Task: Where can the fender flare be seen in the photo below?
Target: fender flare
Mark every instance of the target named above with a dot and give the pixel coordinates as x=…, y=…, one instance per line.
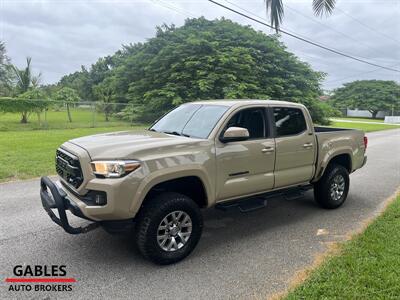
x=169, y=174
x=332, y=156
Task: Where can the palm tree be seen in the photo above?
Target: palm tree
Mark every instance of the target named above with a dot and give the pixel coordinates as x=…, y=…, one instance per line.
x=24, y=77
x=276, y=11
x=24, y=81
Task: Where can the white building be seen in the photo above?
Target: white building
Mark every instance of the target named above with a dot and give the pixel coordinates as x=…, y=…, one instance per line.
x=366, y=113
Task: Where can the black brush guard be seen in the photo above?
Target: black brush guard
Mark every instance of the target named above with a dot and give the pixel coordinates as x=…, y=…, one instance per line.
x=58, y=200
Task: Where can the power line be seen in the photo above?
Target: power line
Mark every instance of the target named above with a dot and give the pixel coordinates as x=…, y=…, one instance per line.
x=173, y=8
x=300, y=54
x=303, y=39
x=329, y=27
x=314, y=57
x=251, y=13
x=185, y=12
x=356, y=75
x=367, y=26
x=257, y=16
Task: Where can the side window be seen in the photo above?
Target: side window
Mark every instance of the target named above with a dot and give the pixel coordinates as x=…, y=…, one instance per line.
x=253, y=119
x=289, y=121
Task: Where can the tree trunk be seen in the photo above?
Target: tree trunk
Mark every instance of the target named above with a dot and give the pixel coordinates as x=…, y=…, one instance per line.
x=39, y=118
x=69, y=114
x=374, y=113
x=24, y=117
x=106, y=114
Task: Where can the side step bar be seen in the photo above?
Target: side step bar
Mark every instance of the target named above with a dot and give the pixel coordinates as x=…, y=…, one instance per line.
x=253, y=203
x=245, y=205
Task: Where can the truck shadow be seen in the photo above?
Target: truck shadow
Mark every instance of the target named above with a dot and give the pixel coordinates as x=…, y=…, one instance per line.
x=222, y=230
x=222, y=227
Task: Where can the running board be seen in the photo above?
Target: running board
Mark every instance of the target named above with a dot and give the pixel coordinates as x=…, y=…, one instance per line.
x=252, y=205
x=256, y=202
x=293, y=195
x=244, y=205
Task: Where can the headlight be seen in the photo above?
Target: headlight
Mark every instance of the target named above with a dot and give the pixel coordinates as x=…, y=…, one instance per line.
x=114, y=169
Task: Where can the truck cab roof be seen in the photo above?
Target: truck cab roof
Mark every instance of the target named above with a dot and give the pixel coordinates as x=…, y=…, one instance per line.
x=242, y=102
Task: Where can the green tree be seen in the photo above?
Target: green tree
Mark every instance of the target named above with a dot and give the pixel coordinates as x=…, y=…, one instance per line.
x=200, y=60
x=276, y=10
x=24, y=81
x=33, y=100
x=67, y=96
x=80, y=82
x=5, y=74
x=213, y=60
x=371, y=95
x=24, y=77
x=105, y=92
x=84, y=80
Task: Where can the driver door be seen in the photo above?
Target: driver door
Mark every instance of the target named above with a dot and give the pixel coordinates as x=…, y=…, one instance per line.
x=246, y=167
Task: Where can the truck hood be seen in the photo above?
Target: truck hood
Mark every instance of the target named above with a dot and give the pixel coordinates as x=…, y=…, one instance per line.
x=127, y=144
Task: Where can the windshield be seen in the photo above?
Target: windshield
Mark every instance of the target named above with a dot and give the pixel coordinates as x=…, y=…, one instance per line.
x=192, y=120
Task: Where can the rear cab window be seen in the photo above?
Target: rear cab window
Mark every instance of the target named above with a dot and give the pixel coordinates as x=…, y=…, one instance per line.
x=289, y=121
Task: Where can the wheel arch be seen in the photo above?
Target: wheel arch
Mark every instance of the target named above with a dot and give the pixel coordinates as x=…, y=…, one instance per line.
x=192, y=183
x=341, y=158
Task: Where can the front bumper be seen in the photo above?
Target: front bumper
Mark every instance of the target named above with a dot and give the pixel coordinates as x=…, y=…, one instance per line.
x=54, y=198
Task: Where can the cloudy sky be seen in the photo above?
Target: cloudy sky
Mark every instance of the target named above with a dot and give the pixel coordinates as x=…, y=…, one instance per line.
x=62, y=35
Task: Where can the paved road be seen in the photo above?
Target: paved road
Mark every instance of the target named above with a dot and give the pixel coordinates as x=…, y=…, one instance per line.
x=239, y=255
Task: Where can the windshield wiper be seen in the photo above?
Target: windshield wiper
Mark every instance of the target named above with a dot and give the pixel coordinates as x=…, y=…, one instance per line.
x=172, y=132
x=176, y=133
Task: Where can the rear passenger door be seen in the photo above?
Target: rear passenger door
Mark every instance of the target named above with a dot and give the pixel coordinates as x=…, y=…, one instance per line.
x=295, y=147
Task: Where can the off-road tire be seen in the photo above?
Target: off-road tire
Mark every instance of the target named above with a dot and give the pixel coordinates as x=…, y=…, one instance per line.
x=151, y=215
x=323, y=188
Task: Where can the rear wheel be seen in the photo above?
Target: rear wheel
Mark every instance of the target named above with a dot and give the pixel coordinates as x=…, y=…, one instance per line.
x=331, y=190
x=168, y=228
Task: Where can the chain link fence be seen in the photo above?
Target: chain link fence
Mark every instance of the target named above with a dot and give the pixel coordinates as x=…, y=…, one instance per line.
x=25, y=114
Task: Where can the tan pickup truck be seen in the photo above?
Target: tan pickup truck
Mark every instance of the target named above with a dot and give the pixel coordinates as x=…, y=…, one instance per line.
x=221, y=154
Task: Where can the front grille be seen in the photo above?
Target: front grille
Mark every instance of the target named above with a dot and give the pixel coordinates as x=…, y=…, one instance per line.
x=69, y=168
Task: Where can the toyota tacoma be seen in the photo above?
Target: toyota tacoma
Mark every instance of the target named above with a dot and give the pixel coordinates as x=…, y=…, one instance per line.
x=222, y=153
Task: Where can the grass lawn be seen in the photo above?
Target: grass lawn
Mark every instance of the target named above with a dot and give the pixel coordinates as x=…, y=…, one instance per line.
x=81, y=118
x=363, y=126
x=27, y=151
x=368, y=266
x=26, y=154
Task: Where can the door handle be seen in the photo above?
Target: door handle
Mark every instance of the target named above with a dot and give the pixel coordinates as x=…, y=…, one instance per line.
x=307, y=145
x=267, y=150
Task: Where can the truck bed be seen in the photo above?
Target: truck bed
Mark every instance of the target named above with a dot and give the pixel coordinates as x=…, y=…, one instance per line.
x=328, y=129
x=332, y=141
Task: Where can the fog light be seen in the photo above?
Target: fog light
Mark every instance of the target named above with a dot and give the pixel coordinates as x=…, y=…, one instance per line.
x=100, y=199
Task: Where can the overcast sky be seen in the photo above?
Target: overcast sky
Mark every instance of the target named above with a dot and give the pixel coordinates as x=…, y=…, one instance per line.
x=60, y=36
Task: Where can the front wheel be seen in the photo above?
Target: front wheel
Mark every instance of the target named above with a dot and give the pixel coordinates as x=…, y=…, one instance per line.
x=168, y=228
x=331, y=190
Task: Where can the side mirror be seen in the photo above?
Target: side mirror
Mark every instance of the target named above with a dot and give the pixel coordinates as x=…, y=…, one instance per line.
x=235, y=134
